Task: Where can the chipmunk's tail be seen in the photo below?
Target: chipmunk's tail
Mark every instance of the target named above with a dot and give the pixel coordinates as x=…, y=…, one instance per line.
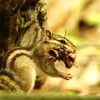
x=9, y=81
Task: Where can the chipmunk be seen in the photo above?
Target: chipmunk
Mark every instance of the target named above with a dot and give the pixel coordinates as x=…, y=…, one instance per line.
x=21, y=65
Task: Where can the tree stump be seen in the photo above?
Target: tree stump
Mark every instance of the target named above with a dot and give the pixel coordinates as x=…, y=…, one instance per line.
x=22, y=22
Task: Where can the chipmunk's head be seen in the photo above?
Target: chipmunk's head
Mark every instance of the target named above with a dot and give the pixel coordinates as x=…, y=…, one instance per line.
x=60, y=48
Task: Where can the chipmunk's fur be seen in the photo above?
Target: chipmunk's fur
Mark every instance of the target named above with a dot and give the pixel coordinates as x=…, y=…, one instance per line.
x=9, y=81
x=27, y=63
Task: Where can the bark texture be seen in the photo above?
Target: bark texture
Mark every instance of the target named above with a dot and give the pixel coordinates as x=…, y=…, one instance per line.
x=22, y=22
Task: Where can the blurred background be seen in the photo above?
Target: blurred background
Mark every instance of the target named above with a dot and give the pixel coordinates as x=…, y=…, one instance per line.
x=81, y=20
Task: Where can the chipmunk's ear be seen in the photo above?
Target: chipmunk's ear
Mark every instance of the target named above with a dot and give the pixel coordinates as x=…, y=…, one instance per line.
x=49, y=34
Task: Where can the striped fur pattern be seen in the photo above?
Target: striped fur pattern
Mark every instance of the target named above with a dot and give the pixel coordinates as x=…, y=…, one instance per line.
x=9, y=81
x=20, y=62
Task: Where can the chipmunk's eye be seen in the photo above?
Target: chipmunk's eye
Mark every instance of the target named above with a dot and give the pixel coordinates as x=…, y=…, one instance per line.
x=62, y=41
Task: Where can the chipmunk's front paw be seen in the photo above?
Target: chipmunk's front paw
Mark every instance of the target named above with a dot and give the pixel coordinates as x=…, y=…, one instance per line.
x=66, y=76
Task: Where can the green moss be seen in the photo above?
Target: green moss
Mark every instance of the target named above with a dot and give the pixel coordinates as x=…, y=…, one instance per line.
x=47, y=96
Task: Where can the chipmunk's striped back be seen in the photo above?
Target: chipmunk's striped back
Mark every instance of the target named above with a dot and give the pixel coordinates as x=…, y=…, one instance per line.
x=13, y=54
x=20, y=64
